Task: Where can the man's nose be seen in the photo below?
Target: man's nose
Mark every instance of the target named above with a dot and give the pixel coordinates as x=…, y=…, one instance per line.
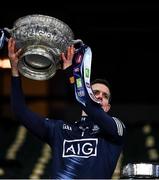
x=100, y=96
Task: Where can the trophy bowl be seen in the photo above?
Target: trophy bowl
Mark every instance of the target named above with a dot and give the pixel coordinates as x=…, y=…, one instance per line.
x=42, y=39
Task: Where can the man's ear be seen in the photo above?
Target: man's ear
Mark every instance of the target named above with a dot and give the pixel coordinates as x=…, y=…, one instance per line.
x=108, y=107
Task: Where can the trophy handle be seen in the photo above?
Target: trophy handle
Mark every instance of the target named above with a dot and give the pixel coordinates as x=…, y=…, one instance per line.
x=8, y=30
x=4, y=36
x=76, y=41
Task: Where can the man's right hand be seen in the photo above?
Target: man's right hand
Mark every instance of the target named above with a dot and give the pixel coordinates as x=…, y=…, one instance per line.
x=13, y=55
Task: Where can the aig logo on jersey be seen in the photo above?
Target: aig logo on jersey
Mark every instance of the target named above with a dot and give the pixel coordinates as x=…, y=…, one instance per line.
x=80, y=148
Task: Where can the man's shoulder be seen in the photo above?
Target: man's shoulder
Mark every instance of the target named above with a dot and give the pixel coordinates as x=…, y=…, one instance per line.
x=54, y=121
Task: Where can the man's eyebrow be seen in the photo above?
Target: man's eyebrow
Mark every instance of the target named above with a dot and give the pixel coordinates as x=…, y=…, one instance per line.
x=105, y=93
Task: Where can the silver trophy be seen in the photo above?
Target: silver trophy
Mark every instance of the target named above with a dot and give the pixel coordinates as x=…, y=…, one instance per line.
x=140, y=171
x=42, y=39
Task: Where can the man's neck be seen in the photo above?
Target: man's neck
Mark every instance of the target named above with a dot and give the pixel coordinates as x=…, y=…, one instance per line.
x=84, y=114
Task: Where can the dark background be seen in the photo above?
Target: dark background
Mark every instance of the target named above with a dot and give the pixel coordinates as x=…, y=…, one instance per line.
x=125, y=45
x=123, y=37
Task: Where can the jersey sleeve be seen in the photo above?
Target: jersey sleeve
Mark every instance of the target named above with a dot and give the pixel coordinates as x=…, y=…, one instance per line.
x=109, y=125
x=35, y=123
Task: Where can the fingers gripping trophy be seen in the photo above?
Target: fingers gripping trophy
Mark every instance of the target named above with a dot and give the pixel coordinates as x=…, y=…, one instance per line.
x=41, y=39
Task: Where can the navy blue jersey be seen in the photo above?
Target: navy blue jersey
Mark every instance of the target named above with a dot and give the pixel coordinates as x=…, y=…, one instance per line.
x=88, y=148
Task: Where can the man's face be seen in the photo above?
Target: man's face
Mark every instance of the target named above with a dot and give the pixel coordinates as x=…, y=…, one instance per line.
x=102, y=93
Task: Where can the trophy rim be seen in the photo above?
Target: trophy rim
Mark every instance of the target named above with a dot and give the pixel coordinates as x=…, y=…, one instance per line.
x=21, y=19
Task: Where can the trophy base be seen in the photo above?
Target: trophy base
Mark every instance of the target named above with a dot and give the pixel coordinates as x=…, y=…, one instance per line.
x=38, y=63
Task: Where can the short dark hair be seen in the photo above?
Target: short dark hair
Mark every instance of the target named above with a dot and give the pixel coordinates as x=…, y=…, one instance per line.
x=102, y=81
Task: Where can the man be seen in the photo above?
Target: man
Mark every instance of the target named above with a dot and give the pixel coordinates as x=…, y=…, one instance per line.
x=86, y=149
